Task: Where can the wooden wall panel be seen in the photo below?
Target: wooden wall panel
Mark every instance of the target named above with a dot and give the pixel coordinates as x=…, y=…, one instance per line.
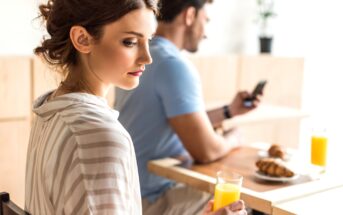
x=218, y=75
x=15, y=87
x=284, y=88
x=223, y=76
x=284, y=75
x=44, y=78
x=14, y=139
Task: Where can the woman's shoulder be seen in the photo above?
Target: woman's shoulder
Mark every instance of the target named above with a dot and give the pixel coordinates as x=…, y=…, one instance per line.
x=90, y=113
x=101, y=123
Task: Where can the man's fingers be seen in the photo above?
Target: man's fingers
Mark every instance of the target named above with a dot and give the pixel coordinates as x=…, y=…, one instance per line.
x=244, y=94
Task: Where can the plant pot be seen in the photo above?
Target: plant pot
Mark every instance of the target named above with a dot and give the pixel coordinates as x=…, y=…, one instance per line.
x=266, y=44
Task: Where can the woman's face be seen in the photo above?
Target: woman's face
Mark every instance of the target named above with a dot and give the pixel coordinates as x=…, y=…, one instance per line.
x=121, y=54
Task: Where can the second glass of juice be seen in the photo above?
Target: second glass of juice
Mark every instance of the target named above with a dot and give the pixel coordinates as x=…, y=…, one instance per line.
x=319, y=146
x=227, y=189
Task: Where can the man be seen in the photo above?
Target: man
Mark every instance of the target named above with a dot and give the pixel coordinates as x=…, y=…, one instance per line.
x=165, y=115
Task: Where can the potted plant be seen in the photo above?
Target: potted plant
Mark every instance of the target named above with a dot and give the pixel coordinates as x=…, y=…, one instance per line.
x=265, y=13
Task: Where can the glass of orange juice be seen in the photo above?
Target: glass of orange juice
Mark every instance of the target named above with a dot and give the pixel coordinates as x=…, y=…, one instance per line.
x=227, y=189
x=319, y=144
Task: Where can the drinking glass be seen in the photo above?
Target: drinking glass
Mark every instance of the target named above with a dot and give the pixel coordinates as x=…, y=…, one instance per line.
x=319, y=144
x=227, y=189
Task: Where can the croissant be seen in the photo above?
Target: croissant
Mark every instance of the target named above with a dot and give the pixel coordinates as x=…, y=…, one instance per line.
x=274, y=167
x=276, y=151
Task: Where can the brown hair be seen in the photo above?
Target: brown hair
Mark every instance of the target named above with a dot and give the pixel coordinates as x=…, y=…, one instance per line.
x=169, y=9
x=60, y=15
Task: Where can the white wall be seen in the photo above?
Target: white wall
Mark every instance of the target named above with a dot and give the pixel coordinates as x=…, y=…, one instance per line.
x=19, y=33
x=305, y=28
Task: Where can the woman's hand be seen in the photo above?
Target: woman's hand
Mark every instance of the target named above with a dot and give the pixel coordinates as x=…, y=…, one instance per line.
x=236, y=208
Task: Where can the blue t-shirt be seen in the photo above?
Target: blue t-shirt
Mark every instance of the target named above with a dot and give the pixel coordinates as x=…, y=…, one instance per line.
x=169, y=87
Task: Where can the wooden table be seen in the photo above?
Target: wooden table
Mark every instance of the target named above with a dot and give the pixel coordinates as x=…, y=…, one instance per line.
x=257, y=194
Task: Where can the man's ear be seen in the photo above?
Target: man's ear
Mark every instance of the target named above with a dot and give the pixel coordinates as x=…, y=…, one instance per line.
x=81, y=39
x=190, y=15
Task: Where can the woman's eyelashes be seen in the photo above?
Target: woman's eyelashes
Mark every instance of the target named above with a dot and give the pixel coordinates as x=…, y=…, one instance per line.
x=130, y=42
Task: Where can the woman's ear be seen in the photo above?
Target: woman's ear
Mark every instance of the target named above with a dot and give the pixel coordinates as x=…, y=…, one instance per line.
x=190, y=15
x=81, y=39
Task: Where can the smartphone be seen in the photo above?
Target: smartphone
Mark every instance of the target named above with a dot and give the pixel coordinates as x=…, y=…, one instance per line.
x=248, y=102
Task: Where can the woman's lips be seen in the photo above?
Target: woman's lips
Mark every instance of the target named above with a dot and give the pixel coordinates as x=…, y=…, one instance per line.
x=136, y=73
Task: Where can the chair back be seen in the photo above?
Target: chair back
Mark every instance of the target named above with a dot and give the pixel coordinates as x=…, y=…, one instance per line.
x=7, y=207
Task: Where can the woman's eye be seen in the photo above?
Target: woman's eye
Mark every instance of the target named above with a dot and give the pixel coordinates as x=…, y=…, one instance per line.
x=129, y=43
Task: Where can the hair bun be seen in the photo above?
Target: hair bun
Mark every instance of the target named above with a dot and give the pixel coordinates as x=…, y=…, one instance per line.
x=45, y=9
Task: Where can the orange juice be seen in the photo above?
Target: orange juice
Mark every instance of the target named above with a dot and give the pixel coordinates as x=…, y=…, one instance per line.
x=318, y=150
x=225, y=194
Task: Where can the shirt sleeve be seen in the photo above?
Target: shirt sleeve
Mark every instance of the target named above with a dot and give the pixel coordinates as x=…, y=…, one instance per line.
x=100, y=177
x=179, y=88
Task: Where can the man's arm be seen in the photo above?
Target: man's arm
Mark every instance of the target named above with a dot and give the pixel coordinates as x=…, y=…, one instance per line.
x=236, y=108
x=198, y=137
x=218, y=115
x=196, y=132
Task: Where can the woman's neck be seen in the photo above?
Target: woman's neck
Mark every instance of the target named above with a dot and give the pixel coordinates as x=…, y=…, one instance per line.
x=82, y=80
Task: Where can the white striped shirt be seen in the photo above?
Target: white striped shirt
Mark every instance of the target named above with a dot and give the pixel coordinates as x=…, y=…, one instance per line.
x=80, y=159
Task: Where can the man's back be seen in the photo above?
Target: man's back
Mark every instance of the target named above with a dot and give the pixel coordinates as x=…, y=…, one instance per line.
x=169, y=87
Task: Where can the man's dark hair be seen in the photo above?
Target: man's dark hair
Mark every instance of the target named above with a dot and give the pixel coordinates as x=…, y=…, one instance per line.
x=169, y=9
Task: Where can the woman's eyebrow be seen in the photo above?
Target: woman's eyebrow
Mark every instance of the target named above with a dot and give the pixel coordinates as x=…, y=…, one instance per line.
x=134, y=33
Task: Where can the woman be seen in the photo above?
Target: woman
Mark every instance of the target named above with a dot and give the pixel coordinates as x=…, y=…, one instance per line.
x=80, y=159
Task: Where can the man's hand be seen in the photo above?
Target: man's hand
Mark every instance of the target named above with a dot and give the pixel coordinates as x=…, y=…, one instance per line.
x=237, y=105
x=236, y=208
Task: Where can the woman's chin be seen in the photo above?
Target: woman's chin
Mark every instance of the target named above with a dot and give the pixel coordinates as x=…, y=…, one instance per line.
x=129, y=86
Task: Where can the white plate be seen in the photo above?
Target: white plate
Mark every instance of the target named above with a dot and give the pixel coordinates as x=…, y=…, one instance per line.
x=276, y=179
x=264, y=154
